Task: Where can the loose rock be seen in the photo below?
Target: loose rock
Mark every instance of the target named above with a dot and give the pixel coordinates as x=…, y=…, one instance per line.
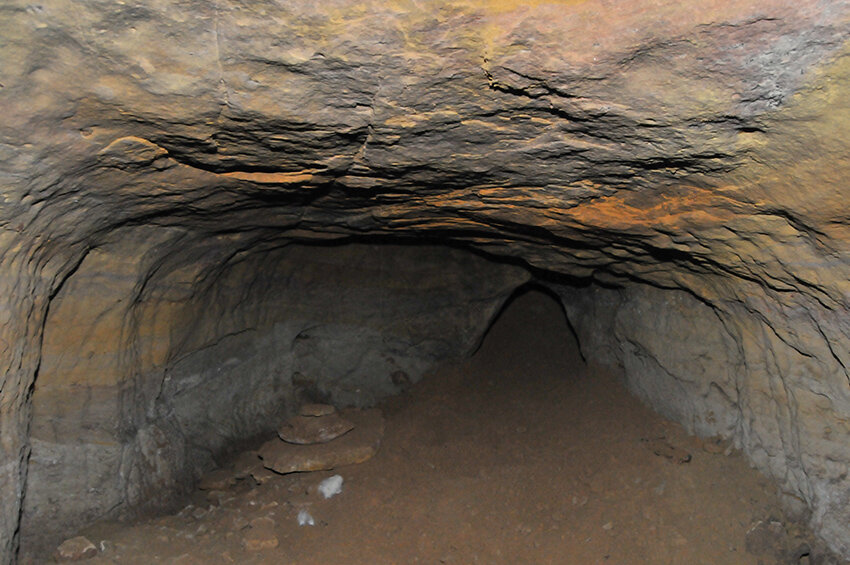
x=355, y=447
x=75, y=549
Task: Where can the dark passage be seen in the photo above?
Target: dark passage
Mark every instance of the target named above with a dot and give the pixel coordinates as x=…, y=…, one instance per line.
x=530, y=336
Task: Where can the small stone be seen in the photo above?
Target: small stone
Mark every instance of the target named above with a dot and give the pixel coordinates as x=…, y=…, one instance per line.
x=261, y=535
x=316, y=410
x=308, y=430
x=75, y=549
x=608, y=527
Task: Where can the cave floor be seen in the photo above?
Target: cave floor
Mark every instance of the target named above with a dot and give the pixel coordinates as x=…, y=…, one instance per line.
x=518, y=455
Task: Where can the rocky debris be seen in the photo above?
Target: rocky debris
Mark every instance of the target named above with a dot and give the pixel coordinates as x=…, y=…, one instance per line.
x=316, y=410
x=663, y=448
x=357, y=446
x=261, y=535
x=75, y=549
x=308, y=430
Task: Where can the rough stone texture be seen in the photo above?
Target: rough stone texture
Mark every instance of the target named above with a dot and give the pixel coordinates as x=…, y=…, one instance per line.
x=763, y=378
x=145, y=386
x=154, y=156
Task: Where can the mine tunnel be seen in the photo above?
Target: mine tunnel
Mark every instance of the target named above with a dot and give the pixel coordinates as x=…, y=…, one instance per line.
x=586, y=263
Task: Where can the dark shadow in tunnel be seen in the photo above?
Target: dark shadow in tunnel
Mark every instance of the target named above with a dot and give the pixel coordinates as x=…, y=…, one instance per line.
x=530, y=334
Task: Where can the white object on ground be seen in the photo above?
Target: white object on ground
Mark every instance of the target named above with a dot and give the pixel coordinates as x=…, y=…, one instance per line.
x=331, y=486
x=305, y=518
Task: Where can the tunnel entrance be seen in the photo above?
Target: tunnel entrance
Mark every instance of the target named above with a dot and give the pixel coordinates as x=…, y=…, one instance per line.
x=531, y=335
x=517, y=454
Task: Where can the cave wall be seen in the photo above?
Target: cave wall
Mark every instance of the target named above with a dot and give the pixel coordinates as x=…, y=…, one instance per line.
x=769, y=378
x=696, y=148
x=155, y=367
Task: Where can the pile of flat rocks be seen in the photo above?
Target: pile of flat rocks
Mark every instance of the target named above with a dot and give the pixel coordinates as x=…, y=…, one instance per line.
x=320, y=438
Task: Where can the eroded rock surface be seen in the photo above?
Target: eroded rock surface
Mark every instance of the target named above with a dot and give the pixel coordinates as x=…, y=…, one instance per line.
x=688, y=161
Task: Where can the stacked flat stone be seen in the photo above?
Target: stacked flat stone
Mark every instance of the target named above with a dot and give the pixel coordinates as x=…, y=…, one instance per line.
x=315, y=423
x=320, y=438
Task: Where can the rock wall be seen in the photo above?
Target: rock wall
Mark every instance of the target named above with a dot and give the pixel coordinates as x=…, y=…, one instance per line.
x=768, y=378
x=150, y=375
x=691, y=147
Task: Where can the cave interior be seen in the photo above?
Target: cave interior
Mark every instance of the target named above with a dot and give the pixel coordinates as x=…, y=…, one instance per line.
x=211, y=213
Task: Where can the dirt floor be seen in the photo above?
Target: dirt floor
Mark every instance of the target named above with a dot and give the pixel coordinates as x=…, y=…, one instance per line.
x=517, y=456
